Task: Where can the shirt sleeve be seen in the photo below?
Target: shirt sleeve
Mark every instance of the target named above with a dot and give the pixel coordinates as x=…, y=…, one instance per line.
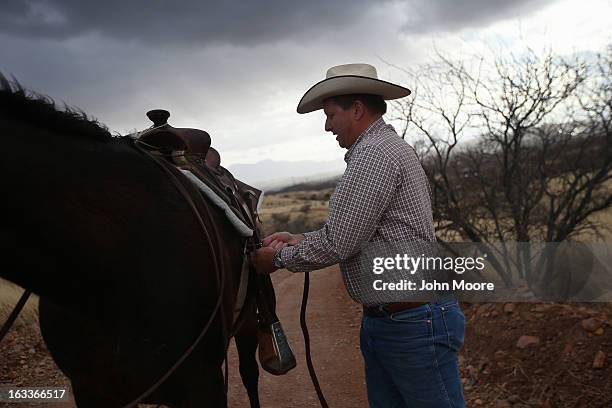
x=361, y=197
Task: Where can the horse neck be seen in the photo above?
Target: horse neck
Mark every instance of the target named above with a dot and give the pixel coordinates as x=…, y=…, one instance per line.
x=52, y=178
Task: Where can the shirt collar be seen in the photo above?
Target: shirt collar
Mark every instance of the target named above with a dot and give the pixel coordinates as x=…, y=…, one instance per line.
x=374, y=126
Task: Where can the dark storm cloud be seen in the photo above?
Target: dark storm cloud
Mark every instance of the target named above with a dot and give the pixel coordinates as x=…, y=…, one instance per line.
x=426, y=16
x=238, y=22
x=169, y=21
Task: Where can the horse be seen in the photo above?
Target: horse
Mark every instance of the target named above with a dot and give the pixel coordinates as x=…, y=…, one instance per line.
x=122, y=266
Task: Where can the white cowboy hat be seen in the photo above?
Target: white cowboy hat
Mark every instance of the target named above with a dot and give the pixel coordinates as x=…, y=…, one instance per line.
x=349, y=79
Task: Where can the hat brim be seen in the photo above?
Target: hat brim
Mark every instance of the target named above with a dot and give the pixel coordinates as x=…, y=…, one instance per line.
x=348, y=84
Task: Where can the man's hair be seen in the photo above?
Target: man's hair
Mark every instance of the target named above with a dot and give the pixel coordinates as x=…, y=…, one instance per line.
x=374, y=103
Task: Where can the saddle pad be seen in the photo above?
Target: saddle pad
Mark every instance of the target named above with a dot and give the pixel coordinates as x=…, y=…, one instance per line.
x=240, y=226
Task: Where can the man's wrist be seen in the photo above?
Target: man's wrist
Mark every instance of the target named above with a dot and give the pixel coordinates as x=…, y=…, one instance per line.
x=277, y=260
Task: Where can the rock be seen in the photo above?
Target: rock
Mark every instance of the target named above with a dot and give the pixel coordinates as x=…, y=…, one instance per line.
x=514, y=399
x=473, y=371
x=526, y=341
x=591, y=324
x=482, y=309
x=541, y=308
x=494, y=313
x=599, y=331
x=600, y=360
x=509, y=307
x=478, y=401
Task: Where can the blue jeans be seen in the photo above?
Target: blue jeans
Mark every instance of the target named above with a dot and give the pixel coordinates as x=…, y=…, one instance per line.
x=411, y=357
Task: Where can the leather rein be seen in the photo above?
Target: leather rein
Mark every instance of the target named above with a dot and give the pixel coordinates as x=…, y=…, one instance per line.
x=168, y=169
x=13, y=316
x=311, y=370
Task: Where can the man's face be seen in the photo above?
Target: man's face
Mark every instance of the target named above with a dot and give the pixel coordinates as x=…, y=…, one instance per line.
x=340, y=122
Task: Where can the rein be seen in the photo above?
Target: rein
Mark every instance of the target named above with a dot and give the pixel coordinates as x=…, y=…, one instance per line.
x=311, y=370
x=219, y=274
x=16, y=310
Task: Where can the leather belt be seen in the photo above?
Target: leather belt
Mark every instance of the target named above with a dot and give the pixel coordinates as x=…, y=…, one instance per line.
x=390, y=308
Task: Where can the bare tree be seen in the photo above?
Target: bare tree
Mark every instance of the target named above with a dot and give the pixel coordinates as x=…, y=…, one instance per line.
x=517, y=149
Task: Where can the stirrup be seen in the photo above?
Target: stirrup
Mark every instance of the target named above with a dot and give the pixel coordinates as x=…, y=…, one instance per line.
x=275, y=354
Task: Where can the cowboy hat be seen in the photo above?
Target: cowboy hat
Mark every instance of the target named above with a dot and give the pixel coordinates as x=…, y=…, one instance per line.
x=349, y=79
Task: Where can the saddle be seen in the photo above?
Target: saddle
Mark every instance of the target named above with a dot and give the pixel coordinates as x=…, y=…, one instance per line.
x=189, y=150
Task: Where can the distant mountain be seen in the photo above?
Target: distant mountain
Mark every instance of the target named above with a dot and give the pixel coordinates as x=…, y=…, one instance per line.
x=312, y=185
x=270, y=174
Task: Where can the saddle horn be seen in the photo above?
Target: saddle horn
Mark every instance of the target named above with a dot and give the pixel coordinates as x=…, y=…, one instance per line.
x=159, y=117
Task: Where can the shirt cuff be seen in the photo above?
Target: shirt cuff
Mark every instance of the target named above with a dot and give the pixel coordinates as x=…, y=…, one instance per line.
x=287, y=254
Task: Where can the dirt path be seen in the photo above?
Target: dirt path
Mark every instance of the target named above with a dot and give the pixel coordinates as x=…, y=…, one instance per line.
x=333, y=323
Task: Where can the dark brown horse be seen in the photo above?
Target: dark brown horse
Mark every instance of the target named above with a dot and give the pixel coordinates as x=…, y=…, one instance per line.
x=122, y=266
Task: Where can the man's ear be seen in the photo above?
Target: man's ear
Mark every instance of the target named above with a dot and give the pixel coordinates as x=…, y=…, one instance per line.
x=359, y=109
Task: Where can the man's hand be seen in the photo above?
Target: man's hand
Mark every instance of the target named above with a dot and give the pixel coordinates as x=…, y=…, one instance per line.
x=282, y=237
x=262, y=260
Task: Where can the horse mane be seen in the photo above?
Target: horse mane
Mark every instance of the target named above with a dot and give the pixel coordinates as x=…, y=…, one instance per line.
x=40, y=111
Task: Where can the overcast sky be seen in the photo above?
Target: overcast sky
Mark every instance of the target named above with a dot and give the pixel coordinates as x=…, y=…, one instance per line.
x=238, y=69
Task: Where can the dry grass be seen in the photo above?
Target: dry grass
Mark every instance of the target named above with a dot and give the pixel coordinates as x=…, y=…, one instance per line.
x=296, y=212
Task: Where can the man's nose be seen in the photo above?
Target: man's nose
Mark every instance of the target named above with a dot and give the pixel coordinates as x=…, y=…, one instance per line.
x=327, y=126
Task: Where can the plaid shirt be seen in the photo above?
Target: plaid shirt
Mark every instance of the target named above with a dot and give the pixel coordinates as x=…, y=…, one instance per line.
x=383, y=196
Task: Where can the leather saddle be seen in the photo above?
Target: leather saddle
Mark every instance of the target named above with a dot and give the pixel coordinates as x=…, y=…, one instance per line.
x=190, y=149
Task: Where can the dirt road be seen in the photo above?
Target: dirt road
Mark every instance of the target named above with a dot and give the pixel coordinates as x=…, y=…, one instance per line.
x=333, y=322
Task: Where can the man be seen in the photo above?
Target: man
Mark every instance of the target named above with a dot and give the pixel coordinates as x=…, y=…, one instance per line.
x=409, y=348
